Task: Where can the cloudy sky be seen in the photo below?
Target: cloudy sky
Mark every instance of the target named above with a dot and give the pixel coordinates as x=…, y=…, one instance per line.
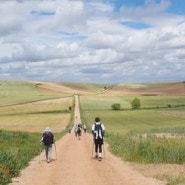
x=98, y=41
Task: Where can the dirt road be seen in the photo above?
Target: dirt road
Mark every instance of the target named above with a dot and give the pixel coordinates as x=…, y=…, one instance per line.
x=74, y=164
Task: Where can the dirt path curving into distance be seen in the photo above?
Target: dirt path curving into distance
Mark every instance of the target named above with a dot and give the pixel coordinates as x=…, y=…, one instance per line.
x=74, y=164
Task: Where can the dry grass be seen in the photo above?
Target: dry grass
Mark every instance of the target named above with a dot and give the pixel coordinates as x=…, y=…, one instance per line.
x=34, y=117
x=35, y=122
x=161, y=171
x=44, y=105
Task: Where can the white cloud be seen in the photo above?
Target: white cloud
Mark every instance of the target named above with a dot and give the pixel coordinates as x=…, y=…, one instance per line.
x=80, y=40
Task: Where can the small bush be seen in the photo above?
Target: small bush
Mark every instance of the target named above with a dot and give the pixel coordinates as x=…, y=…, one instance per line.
x=116, y=106
x=169, y=106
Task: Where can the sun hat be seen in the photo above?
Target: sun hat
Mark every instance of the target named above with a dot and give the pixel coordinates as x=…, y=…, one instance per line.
x=47, y=129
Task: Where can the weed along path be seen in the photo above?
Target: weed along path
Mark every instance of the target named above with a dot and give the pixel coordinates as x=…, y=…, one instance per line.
x=74, y=164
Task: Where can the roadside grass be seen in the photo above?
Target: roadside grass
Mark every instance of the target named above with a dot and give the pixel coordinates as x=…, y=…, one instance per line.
x=17, y=149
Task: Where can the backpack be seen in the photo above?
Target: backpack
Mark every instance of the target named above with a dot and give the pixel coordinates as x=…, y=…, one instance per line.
x=79, y=129
x=47, y=138
x=98, y=132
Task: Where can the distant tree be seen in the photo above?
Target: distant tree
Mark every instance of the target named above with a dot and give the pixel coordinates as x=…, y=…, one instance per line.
x=169, y=106
x=116, y=106
x=136, y=104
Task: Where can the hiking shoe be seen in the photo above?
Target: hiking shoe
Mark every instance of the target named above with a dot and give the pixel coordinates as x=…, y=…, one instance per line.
x=48, y=161
x=99, y=158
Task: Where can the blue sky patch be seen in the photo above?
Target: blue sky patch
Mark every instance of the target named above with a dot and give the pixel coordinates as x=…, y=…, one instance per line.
x=136, y=25
x=177, y=7
x=42, y=13
x=72, y=36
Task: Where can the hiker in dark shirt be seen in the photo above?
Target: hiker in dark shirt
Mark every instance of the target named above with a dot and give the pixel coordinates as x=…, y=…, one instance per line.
x=48, y=139
x=98, y=130
x=79, y=131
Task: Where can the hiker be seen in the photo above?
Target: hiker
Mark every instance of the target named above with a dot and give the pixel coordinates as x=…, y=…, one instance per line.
x=48, y=139
x=85, y=128
x=79, y=130
x=98, y=130
x=69, y=130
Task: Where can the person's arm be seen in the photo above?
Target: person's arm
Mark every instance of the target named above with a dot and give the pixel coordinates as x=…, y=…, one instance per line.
x=92, y=129
x=41, y=140
x=103, y=129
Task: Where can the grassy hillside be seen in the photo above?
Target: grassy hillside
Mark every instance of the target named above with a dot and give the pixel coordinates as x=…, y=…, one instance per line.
x=15, y=92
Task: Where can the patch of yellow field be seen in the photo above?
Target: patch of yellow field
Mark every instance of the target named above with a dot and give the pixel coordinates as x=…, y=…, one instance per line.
x=34, y=117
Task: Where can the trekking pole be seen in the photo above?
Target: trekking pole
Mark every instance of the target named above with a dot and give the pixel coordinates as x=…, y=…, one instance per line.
x=55, y=151
x=92, y=148
x=40, y=151
x=104, y=147
x=104, y=150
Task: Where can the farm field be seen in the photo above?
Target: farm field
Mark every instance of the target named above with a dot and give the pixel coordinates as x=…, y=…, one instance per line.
x=154, y=112
x=16, y=92
x=122, y=122
x=35, y=116
x=163, y=113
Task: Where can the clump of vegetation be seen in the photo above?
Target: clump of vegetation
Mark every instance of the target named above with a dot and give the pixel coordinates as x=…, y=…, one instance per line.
x=17, y=149
x=148, y=148
x=136, y=104
x=116, y=106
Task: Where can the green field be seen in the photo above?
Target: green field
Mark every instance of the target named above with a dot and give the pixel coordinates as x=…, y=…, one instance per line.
x=105, y=101
x=154, y=114
x=16, y=92
x=125, y=121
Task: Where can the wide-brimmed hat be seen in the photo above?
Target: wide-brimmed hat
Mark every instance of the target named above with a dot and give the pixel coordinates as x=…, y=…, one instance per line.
x=47, y=129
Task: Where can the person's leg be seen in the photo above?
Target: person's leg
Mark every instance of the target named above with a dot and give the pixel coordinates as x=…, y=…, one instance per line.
x=96, y=148
x=49, y=153
x=46, y=152
x=100, y=142
x=79, y=134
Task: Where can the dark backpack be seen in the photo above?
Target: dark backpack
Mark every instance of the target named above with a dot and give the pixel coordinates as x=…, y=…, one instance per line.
x=79, y=130
x=98, y=132
x=47, y=138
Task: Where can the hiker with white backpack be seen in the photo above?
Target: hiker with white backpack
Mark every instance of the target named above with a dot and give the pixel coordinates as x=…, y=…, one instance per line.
x=98, y=131
x=48, y=139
